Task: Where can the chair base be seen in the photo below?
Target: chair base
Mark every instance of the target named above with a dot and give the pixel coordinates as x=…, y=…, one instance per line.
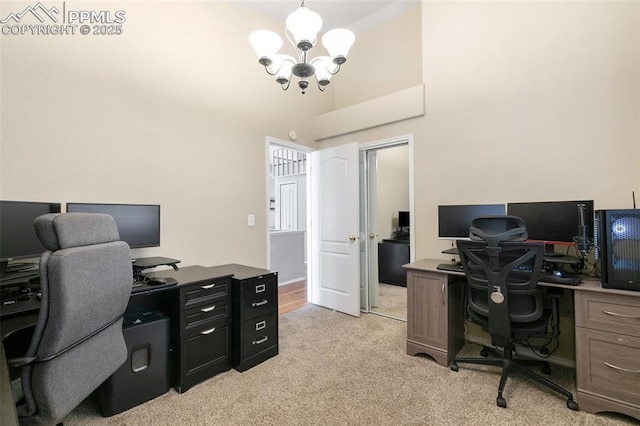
x=508, y=363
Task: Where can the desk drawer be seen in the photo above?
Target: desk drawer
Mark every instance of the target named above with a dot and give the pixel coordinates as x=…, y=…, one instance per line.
x=213, y=311
x=259, y=296
x=609, y=364
x=259, y=334
x=204, y=348
x=204, y=292
x=608, y=312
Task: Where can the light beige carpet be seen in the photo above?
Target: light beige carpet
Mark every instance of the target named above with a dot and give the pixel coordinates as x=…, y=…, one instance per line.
x=392, y=301
x=334, y=369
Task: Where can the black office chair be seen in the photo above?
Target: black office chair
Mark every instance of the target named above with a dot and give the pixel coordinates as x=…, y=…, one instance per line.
x=502, y=296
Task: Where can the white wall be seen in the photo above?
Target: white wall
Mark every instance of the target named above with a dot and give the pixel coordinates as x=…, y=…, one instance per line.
x=174, y=111
x=393, y=187
x=525, y=101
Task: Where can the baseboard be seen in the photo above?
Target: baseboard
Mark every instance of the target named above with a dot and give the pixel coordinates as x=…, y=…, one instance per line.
x=293, y=281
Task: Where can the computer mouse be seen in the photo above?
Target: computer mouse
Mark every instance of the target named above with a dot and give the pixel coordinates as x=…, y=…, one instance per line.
x=558, y=273
x=156, y=281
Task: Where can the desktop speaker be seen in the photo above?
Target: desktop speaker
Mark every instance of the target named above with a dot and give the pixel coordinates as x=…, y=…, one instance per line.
x=145, y=373
x=617, y=239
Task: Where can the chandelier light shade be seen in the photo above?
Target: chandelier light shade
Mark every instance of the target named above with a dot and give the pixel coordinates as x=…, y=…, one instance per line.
x=302, y=27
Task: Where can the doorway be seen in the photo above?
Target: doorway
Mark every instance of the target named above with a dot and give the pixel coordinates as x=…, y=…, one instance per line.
x=386, y=200
x=287, y=211
x=343, y=217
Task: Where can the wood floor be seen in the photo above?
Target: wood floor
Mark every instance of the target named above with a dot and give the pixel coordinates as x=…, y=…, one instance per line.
x=292, y=296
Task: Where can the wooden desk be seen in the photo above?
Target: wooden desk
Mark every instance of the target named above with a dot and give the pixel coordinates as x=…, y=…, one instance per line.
x=607, y=329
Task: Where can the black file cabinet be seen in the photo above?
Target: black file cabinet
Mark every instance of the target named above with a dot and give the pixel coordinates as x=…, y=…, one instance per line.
x=254, y=295
x=200, y=311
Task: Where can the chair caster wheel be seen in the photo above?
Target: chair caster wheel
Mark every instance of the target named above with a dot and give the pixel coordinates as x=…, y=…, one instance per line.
x=454, y=367
x=572, y=405
x=501, y=402
x=484, y=353
x=546, y=369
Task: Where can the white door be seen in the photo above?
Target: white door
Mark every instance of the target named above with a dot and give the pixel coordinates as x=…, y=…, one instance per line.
x=288, y=217
x=335, y=274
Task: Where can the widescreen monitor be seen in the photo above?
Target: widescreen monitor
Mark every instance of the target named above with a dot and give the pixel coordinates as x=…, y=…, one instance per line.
x=18, y=239
x=138, y=224
x=454, y=221
x=554, y=222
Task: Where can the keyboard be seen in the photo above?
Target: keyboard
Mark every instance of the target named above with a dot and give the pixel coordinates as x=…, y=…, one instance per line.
x=566, y=280
x=19, y=307
x=12, y=277
x=451, y=267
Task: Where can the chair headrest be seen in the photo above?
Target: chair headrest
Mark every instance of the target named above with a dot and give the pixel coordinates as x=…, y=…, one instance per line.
x=496, y=229
x=65, y=230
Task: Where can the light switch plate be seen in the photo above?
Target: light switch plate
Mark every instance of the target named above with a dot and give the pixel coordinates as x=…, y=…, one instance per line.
x=251, y=220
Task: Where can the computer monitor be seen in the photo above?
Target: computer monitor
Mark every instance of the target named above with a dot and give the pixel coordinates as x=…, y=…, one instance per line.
x=454, y=221
x=138, y=224
x=18, y=239
x=403, y=219
x=554, y=222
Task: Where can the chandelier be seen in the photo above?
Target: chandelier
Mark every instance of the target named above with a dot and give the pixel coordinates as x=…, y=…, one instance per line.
x=302, y=27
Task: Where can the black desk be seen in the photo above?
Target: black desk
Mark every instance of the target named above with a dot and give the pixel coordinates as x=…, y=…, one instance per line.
x=196, y=299
x=11, y=327
x=8, y=416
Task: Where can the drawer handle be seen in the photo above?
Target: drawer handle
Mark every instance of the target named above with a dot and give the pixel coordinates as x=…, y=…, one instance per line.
x=260, y=325
x=260, y=303
x=260, y=288
x=209, y=309
x=257, y=342
x=211, y=330
x=620, y=315
x=207, y=287
x=626, y=370
x=444, y=287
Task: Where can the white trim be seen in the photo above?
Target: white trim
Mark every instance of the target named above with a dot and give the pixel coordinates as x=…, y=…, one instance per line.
x=291, y=281
x=394, y=141
x=271, y=140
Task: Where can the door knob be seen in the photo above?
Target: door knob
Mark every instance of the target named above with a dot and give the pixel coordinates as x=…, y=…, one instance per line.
x=372, y=235
x=352, y=237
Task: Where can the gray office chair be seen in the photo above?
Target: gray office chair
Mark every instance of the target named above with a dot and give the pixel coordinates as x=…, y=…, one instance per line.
x=503, y=297
x=86, y=280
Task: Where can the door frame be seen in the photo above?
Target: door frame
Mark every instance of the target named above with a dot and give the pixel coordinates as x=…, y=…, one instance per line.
x=363, y=146
x=373, y=146
x=286, y=144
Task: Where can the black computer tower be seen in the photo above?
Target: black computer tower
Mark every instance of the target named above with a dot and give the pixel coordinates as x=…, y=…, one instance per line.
x=145, y=373
x=617, y=239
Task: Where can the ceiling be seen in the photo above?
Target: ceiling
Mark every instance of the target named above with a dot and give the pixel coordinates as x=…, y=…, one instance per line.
x=357, y=15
